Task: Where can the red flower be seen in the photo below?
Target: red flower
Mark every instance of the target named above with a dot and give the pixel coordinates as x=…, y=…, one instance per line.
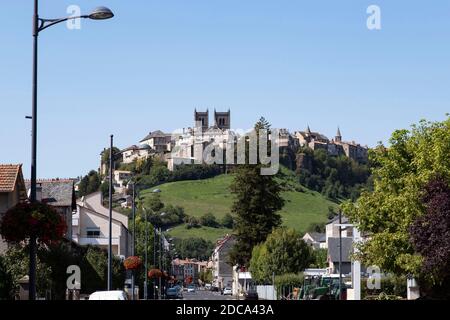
x=155, y=273
x=32, y=219
x=132, y=263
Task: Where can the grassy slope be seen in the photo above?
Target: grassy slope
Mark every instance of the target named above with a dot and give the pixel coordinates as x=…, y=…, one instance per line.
x=213, y=195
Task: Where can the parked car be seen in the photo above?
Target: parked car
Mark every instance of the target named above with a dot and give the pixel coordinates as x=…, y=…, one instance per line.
x=251, y=295
x=109, y=295
x=191, y=289
x=174, y=293
x=227, y=291
x=215, y=289
x=208, y=286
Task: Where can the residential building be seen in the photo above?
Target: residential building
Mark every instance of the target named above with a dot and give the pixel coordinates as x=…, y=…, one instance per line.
x=332, y=229
x=91, y=226
x=316, y=240
x=12, y=191
x=242, y=281
x=158, y=141
x=60, y=194
x=121, y=179
x=184, y=269
x=222, y=269
x=135, y=152
x=335, y=147
x=334, y=252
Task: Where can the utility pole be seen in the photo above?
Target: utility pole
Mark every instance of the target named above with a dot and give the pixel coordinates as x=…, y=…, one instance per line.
x=110, y=215
x=340, y=255
x=146, y=257
x=133, y=245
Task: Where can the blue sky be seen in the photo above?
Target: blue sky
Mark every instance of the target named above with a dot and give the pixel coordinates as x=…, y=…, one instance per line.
x=294, y=62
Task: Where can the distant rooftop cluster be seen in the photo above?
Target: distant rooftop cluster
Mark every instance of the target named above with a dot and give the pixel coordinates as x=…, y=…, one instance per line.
x=178, y=148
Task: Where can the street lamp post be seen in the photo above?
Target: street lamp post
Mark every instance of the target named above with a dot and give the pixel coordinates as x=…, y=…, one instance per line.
x=110, y=214
x=146, y=258
x=100, y=13
x=133, y=244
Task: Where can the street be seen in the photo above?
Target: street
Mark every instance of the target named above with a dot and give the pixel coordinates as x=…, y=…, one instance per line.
x=206, y=295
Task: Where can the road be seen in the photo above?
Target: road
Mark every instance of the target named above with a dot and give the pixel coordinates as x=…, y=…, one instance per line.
x=206, y=295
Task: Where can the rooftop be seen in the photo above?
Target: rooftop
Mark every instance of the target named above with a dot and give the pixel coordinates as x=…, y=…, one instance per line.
x=57, y=192
x=10, y=175
x=156, y=134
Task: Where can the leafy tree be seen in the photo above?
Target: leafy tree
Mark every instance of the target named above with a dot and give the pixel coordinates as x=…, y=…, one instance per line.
x=335, y=177
x=197, y=248
x=209, y=220
x=259, y=267
x=227, y=221
x=320, y=257
x=6, y=282
x=154, y=203
x=105, y=189
x=258, y=200
x=400, y=172
x=192, y=222
x=89, y=184
x=117, y=160
x=206, y=276
x=285, y=252
x=430, y=237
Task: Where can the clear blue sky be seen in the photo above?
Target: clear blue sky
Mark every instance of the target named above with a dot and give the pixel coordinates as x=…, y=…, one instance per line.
x=294, y=62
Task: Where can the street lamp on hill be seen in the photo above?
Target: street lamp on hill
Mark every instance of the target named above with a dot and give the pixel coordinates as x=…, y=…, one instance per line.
x=100, y=13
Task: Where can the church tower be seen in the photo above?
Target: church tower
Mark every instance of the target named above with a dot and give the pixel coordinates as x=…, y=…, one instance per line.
x=202, y=118
x=222, y=119
x=338, y=137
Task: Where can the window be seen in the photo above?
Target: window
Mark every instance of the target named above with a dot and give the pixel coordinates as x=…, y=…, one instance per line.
x=93, y=232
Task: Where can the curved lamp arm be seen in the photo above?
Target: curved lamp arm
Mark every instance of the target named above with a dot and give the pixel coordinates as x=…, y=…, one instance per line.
x=46, y=23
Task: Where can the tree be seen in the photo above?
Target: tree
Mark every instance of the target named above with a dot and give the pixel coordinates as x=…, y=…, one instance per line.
x=430, y=235
x=227, y=221
x=197, y=248
x=400, y=172
x=6, y=282
x=283, y=252
x=258, y=200
x=209, y=220
x=89, y=183
x=259, y=267
x=105, y=189
x=116, y=160
x=206, y=276
x=320, y=259
x=192, y=222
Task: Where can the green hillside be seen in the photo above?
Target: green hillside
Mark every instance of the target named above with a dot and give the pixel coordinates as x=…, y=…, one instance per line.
x=213, y=196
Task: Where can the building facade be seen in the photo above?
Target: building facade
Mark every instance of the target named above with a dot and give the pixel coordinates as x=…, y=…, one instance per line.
x=222, y=269
x=60, y=194
x=90, y=226
x=12, y=191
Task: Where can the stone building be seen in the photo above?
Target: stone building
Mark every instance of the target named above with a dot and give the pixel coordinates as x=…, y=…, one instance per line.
x=335, y=147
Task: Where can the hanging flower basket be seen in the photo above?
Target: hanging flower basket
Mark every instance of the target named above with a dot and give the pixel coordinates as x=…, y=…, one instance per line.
x=155, y=273
x=26, y=220
x=132, y=263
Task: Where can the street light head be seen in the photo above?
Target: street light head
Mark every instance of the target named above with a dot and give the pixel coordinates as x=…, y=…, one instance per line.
x=101, y=13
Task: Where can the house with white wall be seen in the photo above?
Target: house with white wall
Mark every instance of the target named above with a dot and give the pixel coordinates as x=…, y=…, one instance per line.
x=222, y=269
x=90, y=226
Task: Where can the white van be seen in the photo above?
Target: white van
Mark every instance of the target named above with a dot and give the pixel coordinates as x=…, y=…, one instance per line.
x=109, y=295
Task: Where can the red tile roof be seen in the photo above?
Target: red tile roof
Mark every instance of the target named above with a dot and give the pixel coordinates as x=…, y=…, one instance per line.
x=9, y=176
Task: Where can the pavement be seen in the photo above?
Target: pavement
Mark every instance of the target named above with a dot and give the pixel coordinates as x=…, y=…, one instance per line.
x=206, y=295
